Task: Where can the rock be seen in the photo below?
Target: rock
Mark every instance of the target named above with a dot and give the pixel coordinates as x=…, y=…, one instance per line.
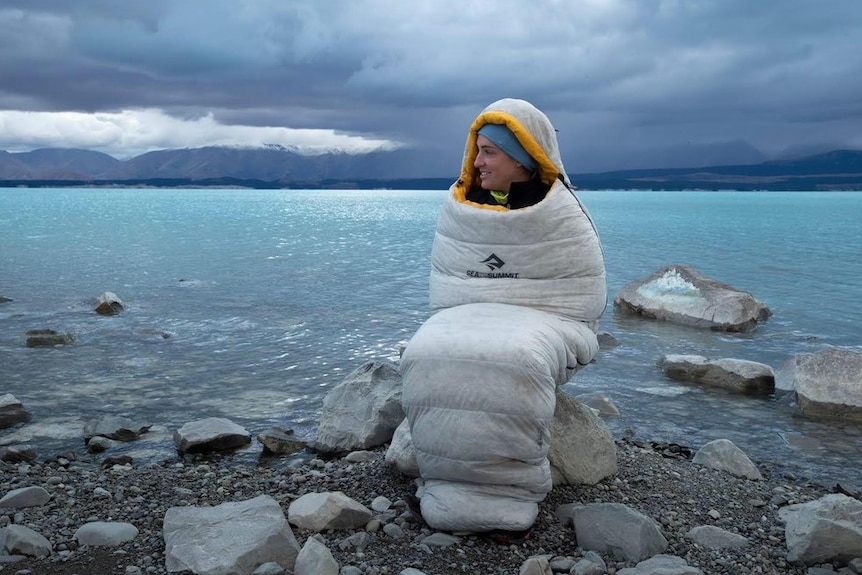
x=723, y=455
x=329, y=510
x=680, y=294
x=536, y=566
x=732, y=374
x=12, y=411
x=109, y=304
x=360, y=456
x=281, y=441
x=32, y=496
x=607, y=340
x=591, y=564
x=381, y=504
x=661, y=565
x=98, y=444
x=441, y=540
x=17, y=453
x=848, y=489
x=105, y=533
x=828, y=383
x=269, y=568
x=4, y=299
x=20, y=540
x=713, y=537
x=315, y=559
x=114, y=427
x=617, y=529
x=401, y=453
x=582, y=448
x=394, y=531
x=234, y=537
x=47, y=338
x=828, y=529
x=600, y=402
x=210, y=434
x=363, y=411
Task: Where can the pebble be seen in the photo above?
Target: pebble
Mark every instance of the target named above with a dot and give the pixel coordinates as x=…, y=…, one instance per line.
x=672, y=491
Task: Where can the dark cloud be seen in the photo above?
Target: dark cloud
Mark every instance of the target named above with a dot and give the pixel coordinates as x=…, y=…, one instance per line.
x=625, y=81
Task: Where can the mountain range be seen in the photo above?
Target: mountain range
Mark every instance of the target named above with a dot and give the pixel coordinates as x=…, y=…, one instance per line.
x=279, y=167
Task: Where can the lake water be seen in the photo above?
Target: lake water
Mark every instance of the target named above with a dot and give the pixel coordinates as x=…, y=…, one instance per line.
x=271, y=297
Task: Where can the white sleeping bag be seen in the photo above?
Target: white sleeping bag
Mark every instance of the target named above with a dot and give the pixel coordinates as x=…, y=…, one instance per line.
x=516, y=296
x=479, y=383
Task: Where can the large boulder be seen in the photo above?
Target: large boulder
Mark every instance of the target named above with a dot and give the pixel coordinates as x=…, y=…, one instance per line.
x=727, y=373
x=362, y=411
x=234, y=537
x=582, y=447
x=680, y=294
x=828, y=383
x=823, y=531
x=617, y=529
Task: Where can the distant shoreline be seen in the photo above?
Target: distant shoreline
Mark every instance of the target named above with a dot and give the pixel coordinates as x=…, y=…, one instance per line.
x=589, y=183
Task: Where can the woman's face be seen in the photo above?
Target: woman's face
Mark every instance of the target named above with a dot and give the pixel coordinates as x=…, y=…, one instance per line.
x=497, y=170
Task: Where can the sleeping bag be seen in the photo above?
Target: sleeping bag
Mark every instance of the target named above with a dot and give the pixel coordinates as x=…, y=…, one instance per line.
x=516, y=295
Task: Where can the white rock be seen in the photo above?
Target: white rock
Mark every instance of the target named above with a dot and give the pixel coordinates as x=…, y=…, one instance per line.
x=329, y=510
x=315, y=559
x=723, y=455
x=362, y=411
x=105, y=533
x=234, y=537
x=680, y=294
x=32, y=496
x=210, y=434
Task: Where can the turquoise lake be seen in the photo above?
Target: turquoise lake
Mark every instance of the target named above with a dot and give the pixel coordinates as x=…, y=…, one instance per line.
x=252, y=304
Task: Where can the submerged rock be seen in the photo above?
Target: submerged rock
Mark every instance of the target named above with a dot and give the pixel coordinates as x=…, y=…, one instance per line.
x=47, y=338
x=732, y=374
x=12, y=411
x=115, y=427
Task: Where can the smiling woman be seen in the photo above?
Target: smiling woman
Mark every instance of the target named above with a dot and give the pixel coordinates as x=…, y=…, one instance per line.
x=517, y=287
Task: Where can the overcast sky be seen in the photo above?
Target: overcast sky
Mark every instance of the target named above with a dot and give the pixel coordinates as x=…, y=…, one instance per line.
x=626, y=82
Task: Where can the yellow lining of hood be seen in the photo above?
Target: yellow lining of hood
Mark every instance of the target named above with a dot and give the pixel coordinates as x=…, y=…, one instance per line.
x=548, y=172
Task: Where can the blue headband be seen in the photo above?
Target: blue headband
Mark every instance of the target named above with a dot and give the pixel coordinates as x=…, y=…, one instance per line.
x=502, y=137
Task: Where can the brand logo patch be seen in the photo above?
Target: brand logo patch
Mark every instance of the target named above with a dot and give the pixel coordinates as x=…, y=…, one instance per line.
x=493, y=262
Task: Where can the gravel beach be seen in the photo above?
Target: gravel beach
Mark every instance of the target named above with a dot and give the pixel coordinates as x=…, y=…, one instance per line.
x=669, y=488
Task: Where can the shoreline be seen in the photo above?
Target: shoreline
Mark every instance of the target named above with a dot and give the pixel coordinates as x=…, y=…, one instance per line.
x=665, y=486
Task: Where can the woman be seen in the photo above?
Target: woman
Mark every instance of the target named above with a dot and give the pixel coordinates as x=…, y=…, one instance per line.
x=517, y=287
x=506, y=171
